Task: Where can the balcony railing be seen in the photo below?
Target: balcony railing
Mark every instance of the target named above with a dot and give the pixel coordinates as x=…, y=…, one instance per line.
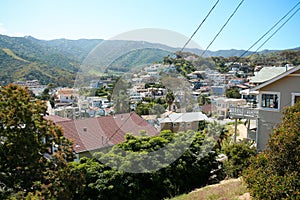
x=243, y=112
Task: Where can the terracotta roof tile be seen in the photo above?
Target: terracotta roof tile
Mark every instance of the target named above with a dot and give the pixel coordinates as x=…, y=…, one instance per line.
x=94, y=133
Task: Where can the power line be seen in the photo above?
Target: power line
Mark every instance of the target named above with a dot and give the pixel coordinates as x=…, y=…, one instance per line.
x=180, y=51
x=222, y=27
x=187, y=42
x=108, y=139
x=270, y=30
x=186, y=45
x=276, y=30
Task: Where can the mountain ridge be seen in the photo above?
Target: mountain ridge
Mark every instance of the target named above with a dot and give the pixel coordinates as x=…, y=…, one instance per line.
x=58, y=61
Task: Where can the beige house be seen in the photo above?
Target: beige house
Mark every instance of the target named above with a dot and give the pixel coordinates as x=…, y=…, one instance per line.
x=66, y=95
x=221, y=105
x=274, y=95
x=177, y=122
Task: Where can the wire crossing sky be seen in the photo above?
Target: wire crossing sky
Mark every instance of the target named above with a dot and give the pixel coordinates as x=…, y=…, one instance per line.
x=99, y=19
x=223, y=27
x=199, y=25
x=264, y=35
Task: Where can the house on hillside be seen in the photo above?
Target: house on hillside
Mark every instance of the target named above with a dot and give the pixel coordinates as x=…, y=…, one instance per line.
x=95, y=134
x=66, y=95
x=182, y=121
x=273, y=96
x=267, y=73
x=221, y=105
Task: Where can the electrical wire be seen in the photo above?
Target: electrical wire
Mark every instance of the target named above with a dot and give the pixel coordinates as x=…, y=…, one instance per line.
x=270, y=30
x=188, y=41
x=223, y=27
x=276, y=30
x=108, y=139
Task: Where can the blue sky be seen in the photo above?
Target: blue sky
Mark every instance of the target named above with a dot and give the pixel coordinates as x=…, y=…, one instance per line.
x=74, y=19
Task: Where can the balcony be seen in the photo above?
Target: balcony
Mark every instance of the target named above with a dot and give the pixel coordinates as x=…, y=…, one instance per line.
x=243, y=112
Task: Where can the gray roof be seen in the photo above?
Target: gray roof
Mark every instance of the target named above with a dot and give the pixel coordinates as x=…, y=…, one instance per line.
x=276, y=78
x=267, y=73
x=184, y=117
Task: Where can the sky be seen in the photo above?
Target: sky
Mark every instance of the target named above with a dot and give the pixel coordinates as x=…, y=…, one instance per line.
x=99, y=19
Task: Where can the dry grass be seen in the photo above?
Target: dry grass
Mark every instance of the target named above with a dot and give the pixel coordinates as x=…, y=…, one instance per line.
x=12, y=54
x=229, y=189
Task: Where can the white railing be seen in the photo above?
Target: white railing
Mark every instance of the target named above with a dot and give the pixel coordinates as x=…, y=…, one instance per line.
x=243, y=112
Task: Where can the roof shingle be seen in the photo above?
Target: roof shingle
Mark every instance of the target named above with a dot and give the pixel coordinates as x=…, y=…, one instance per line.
x=95, y=133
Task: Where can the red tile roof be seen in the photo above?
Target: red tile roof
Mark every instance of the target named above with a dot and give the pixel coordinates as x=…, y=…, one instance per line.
x=95, y=133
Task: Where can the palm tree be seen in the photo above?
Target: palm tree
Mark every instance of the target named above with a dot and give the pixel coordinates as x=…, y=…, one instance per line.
x=203, y=100
x=170, y=99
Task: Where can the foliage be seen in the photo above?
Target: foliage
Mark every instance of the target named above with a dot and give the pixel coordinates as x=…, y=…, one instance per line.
x=26, y=58
x=120, y=95
x=203, y=99
x=276, y=58
x=238, y=158
x=183, y=66
x=233, y=93
x=27, y=160
x=153, y=85
x=275, y=173
x=150, y=108
x=137, y=58
x=184, y=174
x=170, y=99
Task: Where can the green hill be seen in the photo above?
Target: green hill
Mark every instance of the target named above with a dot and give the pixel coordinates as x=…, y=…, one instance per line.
x=137, y=58
x=55, y=61
x=58, y=61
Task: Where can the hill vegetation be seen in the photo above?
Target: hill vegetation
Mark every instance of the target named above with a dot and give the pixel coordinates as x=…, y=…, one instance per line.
x=137, y=58
x=58, y=61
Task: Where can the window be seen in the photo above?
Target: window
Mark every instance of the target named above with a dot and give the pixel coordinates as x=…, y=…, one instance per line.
x=270, y=100
x=295, y=98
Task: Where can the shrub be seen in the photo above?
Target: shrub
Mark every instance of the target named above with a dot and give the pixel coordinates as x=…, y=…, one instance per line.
x=275, y=173
x=239, y=155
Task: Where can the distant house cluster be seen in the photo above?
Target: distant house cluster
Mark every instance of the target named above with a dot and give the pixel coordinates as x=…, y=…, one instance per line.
x=92, y=123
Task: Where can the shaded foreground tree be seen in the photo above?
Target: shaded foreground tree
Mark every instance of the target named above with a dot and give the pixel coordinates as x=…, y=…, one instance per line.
x=239, y=155
x=193, y=168
x=28, y=165
x=275, y=173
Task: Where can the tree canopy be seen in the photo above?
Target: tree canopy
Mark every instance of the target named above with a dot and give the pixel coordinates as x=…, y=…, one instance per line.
x=193, y=168
x=33, y=151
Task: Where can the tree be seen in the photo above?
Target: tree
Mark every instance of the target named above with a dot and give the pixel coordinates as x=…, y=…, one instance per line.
x=170, y=99
x=275, y=173
x=27, y=160
x=203, y=99
x=192, y=169
x=238, y=155
x=233, y=93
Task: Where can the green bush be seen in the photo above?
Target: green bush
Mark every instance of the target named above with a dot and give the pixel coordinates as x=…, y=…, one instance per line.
x=239, y=155
x=275, y=173
x=186, y=173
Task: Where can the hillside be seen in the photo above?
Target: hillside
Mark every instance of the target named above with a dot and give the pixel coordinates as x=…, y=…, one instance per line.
x=138, y=58
x=57, y=61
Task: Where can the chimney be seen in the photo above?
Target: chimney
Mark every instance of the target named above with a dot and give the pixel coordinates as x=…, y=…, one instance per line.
x=84, y=129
